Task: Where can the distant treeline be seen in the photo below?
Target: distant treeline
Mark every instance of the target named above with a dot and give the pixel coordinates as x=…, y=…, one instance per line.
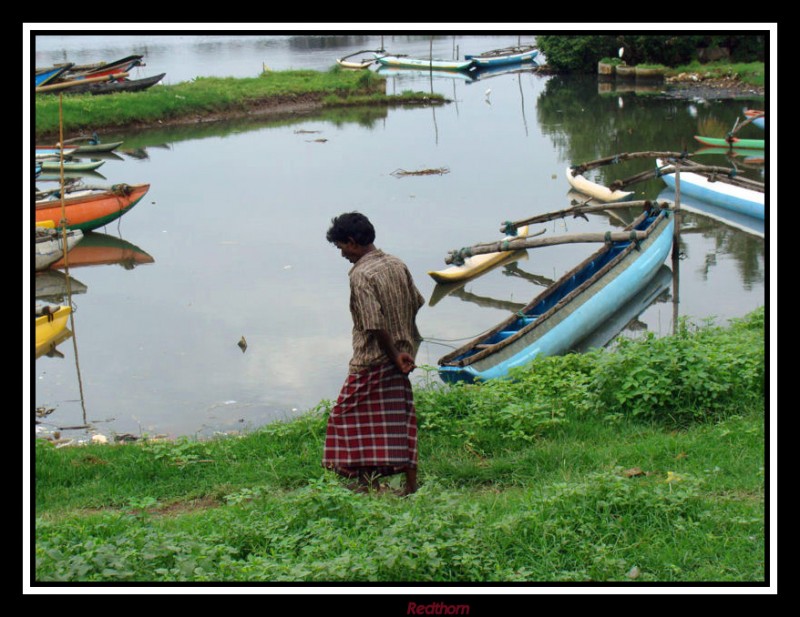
x=580, y=54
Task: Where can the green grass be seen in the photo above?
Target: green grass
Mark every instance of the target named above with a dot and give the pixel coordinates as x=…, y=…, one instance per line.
x=207, y=95
x=562, y=475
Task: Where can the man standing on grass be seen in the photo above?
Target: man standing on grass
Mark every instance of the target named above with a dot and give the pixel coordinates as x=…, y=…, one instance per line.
x=372, y=429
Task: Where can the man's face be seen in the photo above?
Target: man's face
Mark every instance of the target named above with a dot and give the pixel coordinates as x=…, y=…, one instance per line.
x=350, y=250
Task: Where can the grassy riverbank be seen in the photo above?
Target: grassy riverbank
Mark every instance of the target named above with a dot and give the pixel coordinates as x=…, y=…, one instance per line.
x=642, y=465
x=207, y=97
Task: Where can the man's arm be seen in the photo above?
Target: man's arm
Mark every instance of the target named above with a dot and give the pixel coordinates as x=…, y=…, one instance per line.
x=402, y=360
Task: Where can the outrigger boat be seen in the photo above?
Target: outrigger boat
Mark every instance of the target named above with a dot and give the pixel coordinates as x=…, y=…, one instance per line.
x=502, y=57
x=574, y=306
x=475, y=265
x=424, y=63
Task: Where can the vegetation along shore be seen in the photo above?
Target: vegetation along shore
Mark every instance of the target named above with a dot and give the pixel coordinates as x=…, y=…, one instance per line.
x=642, y=465
x=206, y=99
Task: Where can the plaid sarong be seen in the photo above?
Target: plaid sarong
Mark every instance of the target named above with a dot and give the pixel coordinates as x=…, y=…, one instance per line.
x=373, y=426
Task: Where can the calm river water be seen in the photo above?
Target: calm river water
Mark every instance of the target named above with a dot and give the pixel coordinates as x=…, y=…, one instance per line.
x=229, y=242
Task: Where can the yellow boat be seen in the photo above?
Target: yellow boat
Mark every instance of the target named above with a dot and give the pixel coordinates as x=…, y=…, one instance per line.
x=475, y=265
x=50, y=324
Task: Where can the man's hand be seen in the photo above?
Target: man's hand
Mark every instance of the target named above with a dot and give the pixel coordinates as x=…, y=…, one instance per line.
x=405, y=362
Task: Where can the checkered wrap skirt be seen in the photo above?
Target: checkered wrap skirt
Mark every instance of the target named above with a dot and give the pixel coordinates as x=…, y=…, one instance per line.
x=373, y=426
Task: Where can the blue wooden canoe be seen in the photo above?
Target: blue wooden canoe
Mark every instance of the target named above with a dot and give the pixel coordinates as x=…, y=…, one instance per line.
x=570, y=309
x=47, y=75
x=736, y=197
x=505, y=56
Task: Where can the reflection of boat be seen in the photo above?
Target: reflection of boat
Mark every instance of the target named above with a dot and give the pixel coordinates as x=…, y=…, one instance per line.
x=597, y=191
x=49, y=245
x=100, y=249
x=572, y=308
x=744, y=155
x=443, y=290
x=738, y=195
x=54, y=285
x=482, y=73
x=48, y=152
x=92, y=208
x=68, y=165
x=51, y=320
x=49, y=349
x=55, y=176
x=387, y=71
x=624, y=317
x=731, y=142
x=748, y=224
x=503, y=57
x=475, y=265
x=424, y=63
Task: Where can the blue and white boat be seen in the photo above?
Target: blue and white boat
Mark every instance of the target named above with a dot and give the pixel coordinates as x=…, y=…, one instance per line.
x=705, y=210
x=742, y=196
x=570, y=309
x=404, y=62
x=502, y=57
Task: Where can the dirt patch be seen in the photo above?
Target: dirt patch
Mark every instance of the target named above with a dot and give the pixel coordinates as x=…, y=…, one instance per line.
x=694, y=85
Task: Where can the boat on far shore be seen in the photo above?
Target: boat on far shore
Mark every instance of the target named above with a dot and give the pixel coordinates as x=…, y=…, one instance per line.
x=505, y=56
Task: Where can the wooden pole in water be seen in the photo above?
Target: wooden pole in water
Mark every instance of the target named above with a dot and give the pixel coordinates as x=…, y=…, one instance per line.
x=526, y=243
x=676, y=251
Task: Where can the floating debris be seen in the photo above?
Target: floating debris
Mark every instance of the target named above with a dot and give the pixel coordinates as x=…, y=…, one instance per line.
x=242, y=344
x=304, y=132
x=422, y=172
x=321, y=140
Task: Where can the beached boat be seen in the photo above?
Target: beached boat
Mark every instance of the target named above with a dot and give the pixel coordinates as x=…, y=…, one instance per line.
x=86, y=144
x=104, y=69
x=592, y=189
x=76, y=86
x=125, y=85
x=49, y=245
x=571, y=308
x=475, y=265
x=50, y=152
x=91, y=208
x=732, y=142
x=46, y=75
x=737, y=194
x=51, y=321
x=424, y=63
x=756, y=116
x=501, y=57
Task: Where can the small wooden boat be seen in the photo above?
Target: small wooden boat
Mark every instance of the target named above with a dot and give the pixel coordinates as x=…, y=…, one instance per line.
x=51, y=321
x=46, y=75
x=363, y=63
x=125, y=85
x=69, y=165
x=104, y=69
x=423, y=63
x=571, y=308
x=442, y=290
x=732, y=142
x=475, y=265
x=91, y=144
x=49, y=152
x=757, y=117
x=592, y=189
x=49, y=245
x=501, y=57
x=736, y=194
x=75, y=86
x=91, y=208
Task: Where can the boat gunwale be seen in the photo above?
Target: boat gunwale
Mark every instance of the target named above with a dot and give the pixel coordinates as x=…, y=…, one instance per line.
x=450, y=360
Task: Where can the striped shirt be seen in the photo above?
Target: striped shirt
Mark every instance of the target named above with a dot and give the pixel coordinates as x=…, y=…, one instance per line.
x=382, y=297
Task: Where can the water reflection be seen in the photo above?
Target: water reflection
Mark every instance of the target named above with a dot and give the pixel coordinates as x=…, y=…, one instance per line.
x=97, y=249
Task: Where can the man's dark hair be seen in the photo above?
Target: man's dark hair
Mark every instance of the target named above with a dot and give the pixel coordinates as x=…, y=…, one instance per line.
x=351, y=225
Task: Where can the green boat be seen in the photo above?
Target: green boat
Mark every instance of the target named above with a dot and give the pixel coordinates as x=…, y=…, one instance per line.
x=731, y=142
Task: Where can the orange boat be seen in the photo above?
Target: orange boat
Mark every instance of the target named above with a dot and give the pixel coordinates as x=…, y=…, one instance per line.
x=104, y=249
x=92, y=208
